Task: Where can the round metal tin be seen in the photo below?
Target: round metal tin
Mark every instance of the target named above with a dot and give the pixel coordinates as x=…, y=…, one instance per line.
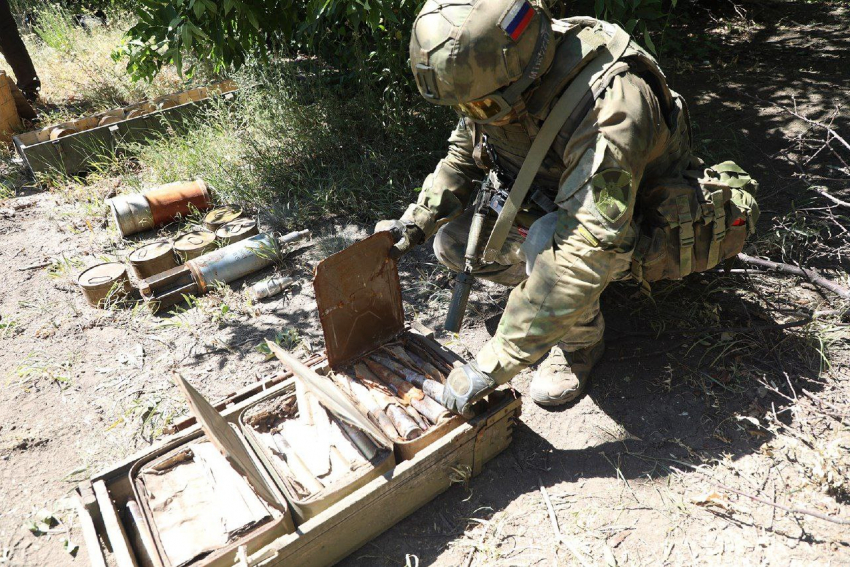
x=237, y=230
x=131, y=213
x=221, y=215
x=190, y=245
x=152, y=259
x=104, y=282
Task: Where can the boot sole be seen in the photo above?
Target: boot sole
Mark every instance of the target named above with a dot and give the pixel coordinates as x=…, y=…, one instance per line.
x=550, y=401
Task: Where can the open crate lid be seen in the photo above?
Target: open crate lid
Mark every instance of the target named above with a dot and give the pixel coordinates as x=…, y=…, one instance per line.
x=359, y=299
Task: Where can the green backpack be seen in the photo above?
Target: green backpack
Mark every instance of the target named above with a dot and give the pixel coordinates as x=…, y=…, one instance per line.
x=691, y=224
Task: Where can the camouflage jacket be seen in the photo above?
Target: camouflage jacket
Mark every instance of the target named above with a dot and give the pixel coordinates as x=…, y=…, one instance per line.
x=634, y=122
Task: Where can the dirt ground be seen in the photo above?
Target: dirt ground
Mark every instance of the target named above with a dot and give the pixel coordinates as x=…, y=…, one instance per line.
x=718, y=389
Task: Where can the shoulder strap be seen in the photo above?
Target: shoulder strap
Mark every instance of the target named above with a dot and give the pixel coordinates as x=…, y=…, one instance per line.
x=571, y=98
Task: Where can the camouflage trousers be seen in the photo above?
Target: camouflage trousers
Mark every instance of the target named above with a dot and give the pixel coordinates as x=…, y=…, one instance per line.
x=559, y=301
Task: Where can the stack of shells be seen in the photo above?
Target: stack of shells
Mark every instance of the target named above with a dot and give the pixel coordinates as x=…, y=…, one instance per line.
x=137, y=212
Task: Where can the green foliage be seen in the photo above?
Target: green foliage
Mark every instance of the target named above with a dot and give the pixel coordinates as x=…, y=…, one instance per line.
x=353, y=35
x=638, y=17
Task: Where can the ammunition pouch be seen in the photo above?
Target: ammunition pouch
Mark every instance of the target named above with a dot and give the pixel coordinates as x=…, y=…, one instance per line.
x=693, y=223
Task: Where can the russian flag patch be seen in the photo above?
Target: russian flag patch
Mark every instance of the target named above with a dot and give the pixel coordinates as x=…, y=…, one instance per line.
x=516, y=19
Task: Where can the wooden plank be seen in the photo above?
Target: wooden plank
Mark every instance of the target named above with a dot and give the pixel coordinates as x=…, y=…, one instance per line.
x=90, y=538
x=227, y=441
x=114, y=530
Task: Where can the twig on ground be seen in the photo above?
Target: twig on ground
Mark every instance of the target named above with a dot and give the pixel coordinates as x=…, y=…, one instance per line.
x=554, y=519
x=808, y=273
x=823, y=192
x=789, y=509
x=34, y=266
x=841, y=413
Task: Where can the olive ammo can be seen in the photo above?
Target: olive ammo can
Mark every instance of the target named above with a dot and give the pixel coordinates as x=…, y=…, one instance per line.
x=104, y=282
x=152, y=259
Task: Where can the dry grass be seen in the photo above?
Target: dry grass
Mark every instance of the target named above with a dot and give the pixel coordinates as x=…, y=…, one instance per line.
x=76, y=67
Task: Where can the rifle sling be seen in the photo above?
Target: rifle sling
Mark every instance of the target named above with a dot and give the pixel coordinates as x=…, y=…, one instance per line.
x=566, y=104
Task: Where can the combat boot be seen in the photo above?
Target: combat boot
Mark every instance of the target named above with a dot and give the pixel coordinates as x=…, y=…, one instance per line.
x=563, y=376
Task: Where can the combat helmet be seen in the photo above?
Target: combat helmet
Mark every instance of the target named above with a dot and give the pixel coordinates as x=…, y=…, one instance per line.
x=479, y=56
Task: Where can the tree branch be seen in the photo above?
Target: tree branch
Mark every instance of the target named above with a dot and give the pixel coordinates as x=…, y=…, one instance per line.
x=808, y=273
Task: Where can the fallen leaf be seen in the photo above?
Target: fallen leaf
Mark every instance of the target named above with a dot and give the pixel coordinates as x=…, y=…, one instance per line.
x=711, y=499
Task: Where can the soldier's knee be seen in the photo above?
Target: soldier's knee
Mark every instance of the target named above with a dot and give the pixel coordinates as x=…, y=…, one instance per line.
x=448, y=250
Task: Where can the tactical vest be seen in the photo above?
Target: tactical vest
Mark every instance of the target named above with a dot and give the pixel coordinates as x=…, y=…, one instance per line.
x=688, y=220
x=577, y=42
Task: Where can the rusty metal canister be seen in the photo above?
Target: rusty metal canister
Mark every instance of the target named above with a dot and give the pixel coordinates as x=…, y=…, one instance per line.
x=152, y=259
x=104, y=282
x=234, y=261
x=192, y=244
x=237, y=230
x=173, y=199
x=132, y=213
x=221, y=215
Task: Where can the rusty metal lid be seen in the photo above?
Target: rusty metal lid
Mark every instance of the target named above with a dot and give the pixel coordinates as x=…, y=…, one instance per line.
x=359, y=299
x=150, y=252
x=102, y=275
x=193, y=240
x=237, y=230
x=221, y=215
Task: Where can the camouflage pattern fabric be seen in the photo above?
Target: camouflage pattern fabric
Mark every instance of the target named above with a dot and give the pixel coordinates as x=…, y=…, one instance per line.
x=624, y=142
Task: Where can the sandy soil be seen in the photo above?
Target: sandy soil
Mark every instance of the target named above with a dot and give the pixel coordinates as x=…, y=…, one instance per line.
x=700, y=392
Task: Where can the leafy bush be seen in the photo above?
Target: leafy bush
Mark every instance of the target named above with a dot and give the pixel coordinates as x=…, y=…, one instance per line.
x=366, y=40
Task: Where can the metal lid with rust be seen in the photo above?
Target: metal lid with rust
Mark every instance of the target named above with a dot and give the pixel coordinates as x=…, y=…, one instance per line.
x=153, y=258
x=221, y=215
x=192, y=244
x=101, y=280
x=359, y=298
x=237, y=230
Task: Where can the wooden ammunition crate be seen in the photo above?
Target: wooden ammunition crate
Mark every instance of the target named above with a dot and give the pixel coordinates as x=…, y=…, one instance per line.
x=359, y=301
x=335, y=532
x=73, y=153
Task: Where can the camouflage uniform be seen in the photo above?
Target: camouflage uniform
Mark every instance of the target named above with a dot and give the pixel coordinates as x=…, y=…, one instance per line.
x=634, y=132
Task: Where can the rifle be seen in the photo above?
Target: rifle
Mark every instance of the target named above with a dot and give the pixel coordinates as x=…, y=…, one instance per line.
x=491, y=195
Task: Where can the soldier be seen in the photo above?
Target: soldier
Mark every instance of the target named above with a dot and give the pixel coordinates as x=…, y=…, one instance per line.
x=502, y=65
x=15, y=52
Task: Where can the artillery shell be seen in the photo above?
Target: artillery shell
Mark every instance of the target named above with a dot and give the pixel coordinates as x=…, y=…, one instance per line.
x=361, y=440
x=417, y=417
x=299, y=470
x=364, y=398
x=429, y=408
x=411, y=376
x=426, y=354
x=407, y=428
x=429, y=369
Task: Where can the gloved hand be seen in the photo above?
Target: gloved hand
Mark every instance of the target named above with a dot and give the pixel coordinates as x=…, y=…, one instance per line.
x=406, y=233
x=465, y=386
